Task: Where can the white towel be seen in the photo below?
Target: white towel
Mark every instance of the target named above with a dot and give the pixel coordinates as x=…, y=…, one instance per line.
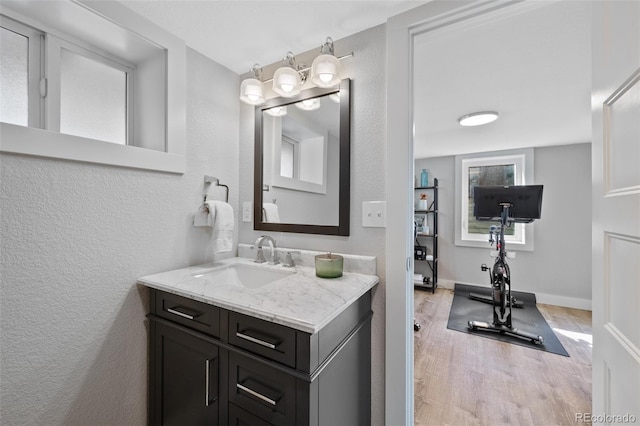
x=223, y=223
x=271, y=212
x=202, y=218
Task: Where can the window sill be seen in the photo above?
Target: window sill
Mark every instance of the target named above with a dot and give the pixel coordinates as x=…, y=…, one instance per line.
x=43, y=143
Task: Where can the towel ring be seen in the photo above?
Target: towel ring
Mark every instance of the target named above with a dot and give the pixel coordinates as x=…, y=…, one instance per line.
x=211, y=179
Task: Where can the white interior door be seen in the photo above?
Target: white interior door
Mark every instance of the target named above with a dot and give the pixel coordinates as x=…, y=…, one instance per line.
x=616, y=211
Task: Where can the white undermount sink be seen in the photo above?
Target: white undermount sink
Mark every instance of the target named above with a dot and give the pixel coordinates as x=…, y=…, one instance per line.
x=248, y=276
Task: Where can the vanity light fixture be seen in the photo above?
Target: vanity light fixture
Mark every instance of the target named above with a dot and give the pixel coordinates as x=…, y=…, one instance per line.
x=478, y=118
x=251, y=88
x=309, y=104
x=325, y=69
x=287, y=79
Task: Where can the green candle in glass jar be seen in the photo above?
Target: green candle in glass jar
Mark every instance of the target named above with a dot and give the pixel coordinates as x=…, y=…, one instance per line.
x=329, y=265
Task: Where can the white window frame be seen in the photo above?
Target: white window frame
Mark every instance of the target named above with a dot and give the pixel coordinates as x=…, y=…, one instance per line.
x=35, y=68
x=296, y=156
x=54, y=46
x=111, y=20
x=522, y=159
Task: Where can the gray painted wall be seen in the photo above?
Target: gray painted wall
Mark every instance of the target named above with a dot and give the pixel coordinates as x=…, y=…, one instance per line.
x=75, y=237
x=367, y=71
x=558, y=270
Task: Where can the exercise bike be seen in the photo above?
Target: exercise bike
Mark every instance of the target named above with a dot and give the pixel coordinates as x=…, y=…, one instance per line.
x=515, y=303
x=486, y=200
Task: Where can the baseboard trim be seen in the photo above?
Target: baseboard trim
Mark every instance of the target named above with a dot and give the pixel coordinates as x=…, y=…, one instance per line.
x=446, y=284
x=567, y=302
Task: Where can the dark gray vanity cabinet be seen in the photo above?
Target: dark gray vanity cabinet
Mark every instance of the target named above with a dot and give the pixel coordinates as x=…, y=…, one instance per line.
x=212, y=366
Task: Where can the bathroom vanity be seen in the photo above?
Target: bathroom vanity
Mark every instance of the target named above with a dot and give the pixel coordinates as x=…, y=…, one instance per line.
x=238, y=343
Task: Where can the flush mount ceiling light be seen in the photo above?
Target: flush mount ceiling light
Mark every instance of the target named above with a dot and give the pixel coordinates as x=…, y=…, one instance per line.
x=287, y=79
x=251, y=88
x=478, y=118
x=325, y=69
x=309, y=104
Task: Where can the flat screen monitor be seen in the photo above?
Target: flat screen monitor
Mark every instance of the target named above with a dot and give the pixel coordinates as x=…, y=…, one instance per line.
x=525, y=202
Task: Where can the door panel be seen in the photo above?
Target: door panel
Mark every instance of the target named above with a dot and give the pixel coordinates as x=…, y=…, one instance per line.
x=621, y=124
x=621, y=291
x=616, y=210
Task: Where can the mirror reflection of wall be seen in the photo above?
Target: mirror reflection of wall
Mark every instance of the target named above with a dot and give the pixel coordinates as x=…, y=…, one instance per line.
x=289, y=158
x=301, y=163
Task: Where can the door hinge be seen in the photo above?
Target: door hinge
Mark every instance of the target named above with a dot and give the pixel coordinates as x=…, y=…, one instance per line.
x=43, y=87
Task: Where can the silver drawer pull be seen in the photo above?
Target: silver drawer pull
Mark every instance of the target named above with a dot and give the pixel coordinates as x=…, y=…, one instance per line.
x=180, y=314
x=254, y=340
x=256, y=394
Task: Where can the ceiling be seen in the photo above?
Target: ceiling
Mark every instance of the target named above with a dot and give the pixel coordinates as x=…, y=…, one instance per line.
x=532, y=67
x=240, y=33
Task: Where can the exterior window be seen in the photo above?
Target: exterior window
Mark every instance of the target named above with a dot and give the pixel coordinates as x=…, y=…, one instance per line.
x=19, y=73
x=97, y=84
x=93, y=98
x=87, y=94
x=14, y=82
x=490, y=175
x=490, y=169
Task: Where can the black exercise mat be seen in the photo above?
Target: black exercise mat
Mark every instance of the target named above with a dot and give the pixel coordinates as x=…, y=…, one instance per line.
x=528, y=318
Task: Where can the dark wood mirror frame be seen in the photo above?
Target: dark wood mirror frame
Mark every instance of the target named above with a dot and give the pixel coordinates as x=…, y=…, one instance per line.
x=344, y=185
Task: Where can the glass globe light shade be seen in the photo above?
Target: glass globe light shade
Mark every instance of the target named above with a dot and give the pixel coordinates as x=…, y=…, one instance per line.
x=325, y=71
x=309, y=104
x=286, y=82
x=251, y=91
x=278, y=111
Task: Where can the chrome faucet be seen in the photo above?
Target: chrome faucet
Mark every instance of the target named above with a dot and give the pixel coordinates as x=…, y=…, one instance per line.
x=259, y=252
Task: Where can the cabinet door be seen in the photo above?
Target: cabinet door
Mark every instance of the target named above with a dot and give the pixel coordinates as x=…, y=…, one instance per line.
x=184, y=378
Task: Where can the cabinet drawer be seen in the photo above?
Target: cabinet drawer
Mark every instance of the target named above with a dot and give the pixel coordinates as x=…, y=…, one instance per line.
x=272, y=341
x=240, y=417
x=262, y=390
x=191, y=313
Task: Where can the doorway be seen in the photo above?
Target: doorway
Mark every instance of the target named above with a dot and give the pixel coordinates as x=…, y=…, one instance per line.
x=432, y=18
x=514, y=64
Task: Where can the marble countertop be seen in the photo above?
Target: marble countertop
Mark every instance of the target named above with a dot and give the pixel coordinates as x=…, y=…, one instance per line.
x=299, y=300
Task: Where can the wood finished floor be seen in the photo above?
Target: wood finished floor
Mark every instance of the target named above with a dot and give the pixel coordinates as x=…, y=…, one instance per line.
x=462, y=379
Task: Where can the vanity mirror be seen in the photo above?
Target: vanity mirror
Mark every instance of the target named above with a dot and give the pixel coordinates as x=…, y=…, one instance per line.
x=302, y=162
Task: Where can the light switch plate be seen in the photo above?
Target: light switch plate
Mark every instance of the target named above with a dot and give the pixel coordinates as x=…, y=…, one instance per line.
x=247, y=208
x=374, y=214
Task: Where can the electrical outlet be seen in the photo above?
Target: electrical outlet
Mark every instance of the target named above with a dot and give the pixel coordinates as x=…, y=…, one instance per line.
x=247, y=208
x=374, y=214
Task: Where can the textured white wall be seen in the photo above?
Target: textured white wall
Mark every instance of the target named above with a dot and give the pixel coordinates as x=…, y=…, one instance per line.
x=75, y=236
x=368, y=144
x=558, y=270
